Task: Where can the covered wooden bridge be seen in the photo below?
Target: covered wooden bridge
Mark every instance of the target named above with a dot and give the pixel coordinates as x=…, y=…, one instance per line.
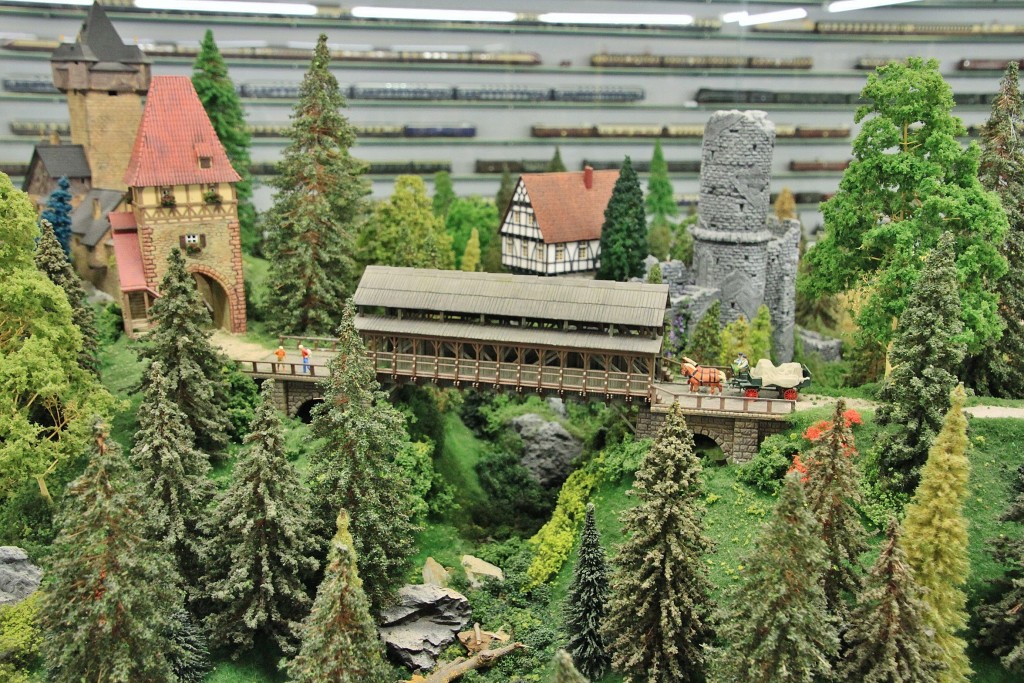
x=522, y=332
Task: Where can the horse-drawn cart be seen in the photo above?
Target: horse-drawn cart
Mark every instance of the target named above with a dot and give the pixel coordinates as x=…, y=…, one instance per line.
x=786, y=379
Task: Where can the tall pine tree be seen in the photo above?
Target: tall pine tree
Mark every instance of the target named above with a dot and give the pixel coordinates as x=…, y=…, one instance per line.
x=261, y=549
x=173, y=474
x=705, y=344
x=887, y=640
x=660, y=201
x=444, y=194
x=624, y=232
x=319, y=204
x=58, y=214
x=224, y=107
x=585, y=603
x=506, y=188
x=998, y=369
x=110, y=592
x=565, y=671
x=355, y=468
x=935, y=533
x=194, y=368
x=339, y=638
x=925, y=358
x=404, y=231
x=776, y=626
x=659, y=614
x=556, y=165
x=53, y=261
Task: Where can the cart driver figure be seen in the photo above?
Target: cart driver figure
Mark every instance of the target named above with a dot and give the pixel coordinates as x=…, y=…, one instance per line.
x=741, y=366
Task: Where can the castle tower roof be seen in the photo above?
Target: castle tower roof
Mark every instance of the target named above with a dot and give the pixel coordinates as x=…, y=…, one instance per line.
x=176, y=143
x=98, y=42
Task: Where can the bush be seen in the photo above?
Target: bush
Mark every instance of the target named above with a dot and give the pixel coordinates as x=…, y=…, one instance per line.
x=109, y=324
x=243, y=395
x=517, y=502
x=423, y=415
x=20, y=638
x=620, y=460
x=768, y=468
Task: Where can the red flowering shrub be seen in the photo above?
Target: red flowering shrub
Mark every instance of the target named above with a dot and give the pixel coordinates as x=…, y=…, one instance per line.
x=852, y=417
x=799, y=466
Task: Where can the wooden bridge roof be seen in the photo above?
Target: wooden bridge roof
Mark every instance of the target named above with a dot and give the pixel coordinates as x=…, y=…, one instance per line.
x=515, y=296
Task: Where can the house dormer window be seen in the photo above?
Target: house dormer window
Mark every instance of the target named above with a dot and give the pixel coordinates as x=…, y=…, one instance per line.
x=205, y=162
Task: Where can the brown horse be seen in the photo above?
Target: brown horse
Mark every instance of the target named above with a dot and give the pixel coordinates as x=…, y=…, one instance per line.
x=698, y=376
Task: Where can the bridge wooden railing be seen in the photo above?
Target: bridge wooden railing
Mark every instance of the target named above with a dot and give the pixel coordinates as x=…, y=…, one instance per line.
x=272, y=368
x=313, y=343
x=760, y=407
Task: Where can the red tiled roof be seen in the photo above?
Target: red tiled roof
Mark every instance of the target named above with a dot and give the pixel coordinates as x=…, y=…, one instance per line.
x=129, y=261
x=122, y=220
x=175, y=131
x=566, y=210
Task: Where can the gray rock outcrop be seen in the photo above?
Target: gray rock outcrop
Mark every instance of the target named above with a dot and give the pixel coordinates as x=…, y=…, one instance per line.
x=424, y=622
x=548, y=449
x=827, y=348
x=18, y=577
x=477, y=570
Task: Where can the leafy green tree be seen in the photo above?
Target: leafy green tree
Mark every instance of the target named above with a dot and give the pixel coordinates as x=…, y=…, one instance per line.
x=761, y=334
x=180, y=341
x=785, y=204
x=998, y=369
x=658, y=621
x=925, y=358
x=736, y=339
x=565, y=671
x=624, y=232
x=473, y=213
x=110, y=592
x=887, y=640
x=319, y=204
x=1001, y=617
x=405, y=232
x=444, y=194
x=776, y=624
x=705, y=344
x=935, y=533
x=53, y=261
x=660, y=201
x=355, y=468
x=833, y=495
x=909, y=182
x=585, y=602
x=47, y=399
x=173, y=474
x=654, y=275
x=659, y=237
x=471, y=257
x=556, y=165
x=506, y=188
x=339, y=638
x=58, y=214
x=217, y=92
x=20, y=639
x=260, y=547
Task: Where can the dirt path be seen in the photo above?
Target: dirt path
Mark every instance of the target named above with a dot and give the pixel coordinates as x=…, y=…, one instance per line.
x=809, y=401
x=239, y=348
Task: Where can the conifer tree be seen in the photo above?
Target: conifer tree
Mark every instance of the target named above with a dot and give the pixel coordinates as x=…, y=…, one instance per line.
x=471, y=257
x=998, y=369
x=111, y=590
x=405, y=232
x=320, y=201
x=556, y=165
x=833, y=495
x=261, y=550
x=444, y=194
x=785, y=204
x=506, y=189
x=660, y=201
x=654, y=274
x=887, y=640
x=935, y=533
x=736, y=339
x=761, y=334
x=224, y=107
x=565, y=671
x=356, y=469
x=776, y=623
x=53, y=261
x=624, y=232
x=173, y=474
x=1002, y=616
x=705, y=344
x=925, y=358
x=180, y=341
x=190, y=658
x=659, y=240
x=585, y=603
x=58, y=214
x=339, y=639
x=659, y=614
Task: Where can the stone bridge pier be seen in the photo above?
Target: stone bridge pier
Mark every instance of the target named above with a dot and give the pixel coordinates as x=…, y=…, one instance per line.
x=739, y=436
x=291, y=395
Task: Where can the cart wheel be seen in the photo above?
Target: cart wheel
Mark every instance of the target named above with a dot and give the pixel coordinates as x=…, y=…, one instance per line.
x=751, y=392
x=789, y=394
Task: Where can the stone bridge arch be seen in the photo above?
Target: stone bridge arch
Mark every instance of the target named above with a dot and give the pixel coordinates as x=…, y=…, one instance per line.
x=720, y=430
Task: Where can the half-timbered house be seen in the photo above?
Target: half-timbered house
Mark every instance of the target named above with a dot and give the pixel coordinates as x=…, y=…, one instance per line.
x=552, y=226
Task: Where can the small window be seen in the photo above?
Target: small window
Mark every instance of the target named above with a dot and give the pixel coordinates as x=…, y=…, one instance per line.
x=205, y=162
x=583, y=250
x=526, y=249
x=559, y=252
x=191, y=239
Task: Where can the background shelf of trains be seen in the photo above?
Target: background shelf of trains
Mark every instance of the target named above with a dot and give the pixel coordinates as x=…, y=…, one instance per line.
x=621, y=78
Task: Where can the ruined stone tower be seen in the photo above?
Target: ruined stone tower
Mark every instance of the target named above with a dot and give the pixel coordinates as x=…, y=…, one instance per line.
x=104, y=80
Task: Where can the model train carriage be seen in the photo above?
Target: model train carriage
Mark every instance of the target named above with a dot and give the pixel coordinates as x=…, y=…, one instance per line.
x=786, y=379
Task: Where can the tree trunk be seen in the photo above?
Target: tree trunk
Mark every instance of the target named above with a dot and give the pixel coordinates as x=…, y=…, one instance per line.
x=457, y=668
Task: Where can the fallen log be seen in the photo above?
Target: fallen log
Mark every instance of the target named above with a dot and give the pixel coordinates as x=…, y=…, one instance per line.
x=457, y=668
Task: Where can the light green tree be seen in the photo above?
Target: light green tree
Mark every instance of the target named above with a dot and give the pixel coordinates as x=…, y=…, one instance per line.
x=404, y=231
x=318, y=207
x=785, y=204
x=474, y=213
x=471, y=257
x=910, y=181
x=736, y=338
x=660, y=201
x=654, y=274
x=935, y=535
x=444, y=194
x=624, y=232
x=705, y=344
x=761, y=335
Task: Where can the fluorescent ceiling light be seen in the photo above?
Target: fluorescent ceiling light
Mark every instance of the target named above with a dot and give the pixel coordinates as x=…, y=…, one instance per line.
x=850, y=5
x=432, y=14
x=732, y=17
x=224, y=7
x=772, y=17
x=616, y=19
x=81, y=3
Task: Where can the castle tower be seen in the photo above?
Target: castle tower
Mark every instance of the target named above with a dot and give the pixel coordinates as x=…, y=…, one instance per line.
x=182, y=195
x=104, y=80
x=731, y=238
